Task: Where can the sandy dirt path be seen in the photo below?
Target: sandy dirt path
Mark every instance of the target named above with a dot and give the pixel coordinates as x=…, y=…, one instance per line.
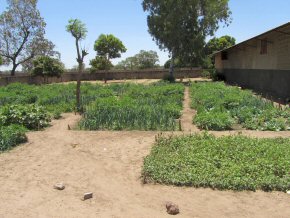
x=109, y=165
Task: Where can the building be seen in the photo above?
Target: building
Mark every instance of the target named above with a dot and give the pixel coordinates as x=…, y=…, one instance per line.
x=261, y=63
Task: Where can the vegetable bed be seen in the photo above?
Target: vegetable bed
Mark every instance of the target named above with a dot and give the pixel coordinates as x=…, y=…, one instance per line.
x=220, y=107
x=232, y=162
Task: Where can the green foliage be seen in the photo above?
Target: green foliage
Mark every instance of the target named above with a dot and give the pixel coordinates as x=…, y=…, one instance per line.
x=100, y=63
x=31, y=116
x=218, y=44
x=214, y=45
x=142, y=60
x=147, y=59
x=22, y=33
x=153, y=107
x=130, y=63
x=168, y=78
x=214, y=120
x=11, y=136
x=182, y=26
x=1, y=61
x=109, y=46
x=219, y=106
x=47, y=67
x=178, y=63
x=77, y=29
x=232, y=162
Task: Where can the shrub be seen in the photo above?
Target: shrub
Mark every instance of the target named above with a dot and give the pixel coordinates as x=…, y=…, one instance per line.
x=169, y=78
x=31, y=116
x=214, y=120
x=231, y=162
x=11, y=136
x=47, y=67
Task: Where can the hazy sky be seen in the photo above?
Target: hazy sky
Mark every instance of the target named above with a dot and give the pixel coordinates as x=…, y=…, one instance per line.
x=127, y=21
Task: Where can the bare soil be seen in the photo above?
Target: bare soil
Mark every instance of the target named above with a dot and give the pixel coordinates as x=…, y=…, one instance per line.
x=109, y=165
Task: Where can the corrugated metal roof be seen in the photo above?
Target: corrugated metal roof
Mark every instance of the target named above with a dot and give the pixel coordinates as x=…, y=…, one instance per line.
x=270, y=31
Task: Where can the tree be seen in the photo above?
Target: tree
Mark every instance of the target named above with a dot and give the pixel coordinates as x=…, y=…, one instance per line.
x=142, y=60
x=182, y=26
x=79, y=31
x=1, y=61
x=46, y=50
x=100, y=63
x=109, y=46
x=47, y=67
x=130, y=63
x=218, y=44
x=21, y=33
x=147, y=59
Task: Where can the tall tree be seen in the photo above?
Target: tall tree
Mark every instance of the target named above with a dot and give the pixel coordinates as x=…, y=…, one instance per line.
x=21, y=32
x=109, y=46
x=79, y=31
x=182, y=26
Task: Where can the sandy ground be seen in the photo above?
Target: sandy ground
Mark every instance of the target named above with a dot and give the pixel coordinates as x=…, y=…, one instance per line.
x=109, y=165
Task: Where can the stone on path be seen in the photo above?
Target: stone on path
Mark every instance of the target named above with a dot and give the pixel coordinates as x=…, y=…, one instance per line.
x=59, y=186
x=87, y=196
x=172, y=209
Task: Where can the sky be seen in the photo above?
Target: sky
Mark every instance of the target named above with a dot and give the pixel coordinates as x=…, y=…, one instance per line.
x=127, y=21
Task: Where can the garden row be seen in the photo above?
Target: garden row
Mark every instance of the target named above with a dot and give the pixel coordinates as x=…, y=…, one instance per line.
x=231, y=162
x=116, y=107
x=220, y=107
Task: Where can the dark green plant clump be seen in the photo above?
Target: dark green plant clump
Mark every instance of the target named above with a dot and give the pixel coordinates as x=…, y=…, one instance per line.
x=232, y=162
x=11, y=136
x=219, y=107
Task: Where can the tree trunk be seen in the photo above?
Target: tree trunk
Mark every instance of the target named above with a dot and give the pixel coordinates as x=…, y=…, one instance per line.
x=13, y=69
x=171, y=69
x=78, y=90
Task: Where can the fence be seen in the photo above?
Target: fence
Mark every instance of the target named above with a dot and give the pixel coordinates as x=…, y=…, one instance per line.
x=101, y=75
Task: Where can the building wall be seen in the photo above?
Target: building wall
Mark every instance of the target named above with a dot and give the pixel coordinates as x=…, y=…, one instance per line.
x=247, y=55
x=270, y=83
x=267, y=74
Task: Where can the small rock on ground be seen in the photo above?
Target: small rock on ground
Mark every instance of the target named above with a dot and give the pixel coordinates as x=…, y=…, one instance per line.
x=87, y=196
x=59, y=186
x=172, y=209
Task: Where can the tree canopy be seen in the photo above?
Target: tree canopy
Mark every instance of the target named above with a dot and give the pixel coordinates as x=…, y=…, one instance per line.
x=100, y=63
x=22, y=32
x=181, y=27
x=109, y=46
x=218, y=44
x=47, y=67
x=142, y=60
